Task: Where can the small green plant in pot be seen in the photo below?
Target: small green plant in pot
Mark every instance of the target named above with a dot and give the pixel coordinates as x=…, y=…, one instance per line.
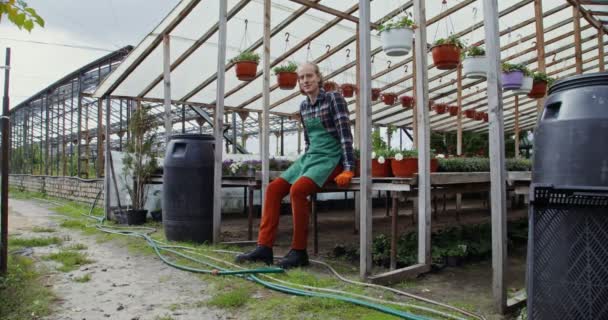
x=404, y=163
x=380, y=156
x=541, y=81
x=139, y=164
x=474, y=63
x=513, y=75
x=446, y=52
x=246, y=64
x=397, y=36
x=287, y=77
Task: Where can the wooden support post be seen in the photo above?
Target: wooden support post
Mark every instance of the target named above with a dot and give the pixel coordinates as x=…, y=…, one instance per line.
x=497, y=155
x=459, y=131
x=63, y=157
x=600, y=49
x=356, y=137
x=78, y=130
x=540, y=45
x=108, y=157
x=516, y=126
x=394, y=214
x=100, y=134
x=415, y=107
x=265, y=123
x=218, y=126
x=234, y=141
x=423, y=136
x=365, y=201
x=167, y=85
x=578, y=51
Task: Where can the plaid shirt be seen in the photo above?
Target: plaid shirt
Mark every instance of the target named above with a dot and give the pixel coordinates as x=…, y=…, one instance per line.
x=331, y=109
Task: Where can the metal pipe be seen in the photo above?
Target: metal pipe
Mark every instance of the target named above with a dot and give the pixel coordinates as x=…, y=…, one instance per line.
x=4, y=168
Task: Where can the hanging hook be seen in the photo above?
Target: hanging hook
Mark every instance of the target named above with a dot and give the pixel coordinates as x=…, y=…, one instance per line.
x=287, y=37
x=328, y=47
x=347, y=53
x=373, y=57
x=389, y=62
x=246, y=22
x=308, y=48
x=406, y=68
x=554, y=57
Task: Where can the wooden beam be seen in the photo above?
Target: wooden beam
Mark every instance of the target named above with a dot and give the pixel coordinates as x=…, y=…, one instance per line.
x=331, y=11
x=585, y=14
x=600, y=49
x=540, y=44
x=516, y=126
x=459, y=117
x=415, y=106
x=576, y=14
x=266, y=99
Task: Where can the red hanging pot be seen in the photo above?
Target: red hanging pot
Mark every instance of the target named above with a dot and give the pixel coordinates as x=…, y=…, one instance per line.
x=469, y=113
x=287, y=80
x=246, y=70
x=446, y=56
x=389, y=98
x=539, y=89
x=348, y=90
x=329, y=86
x=441, y=108
x=453, y=110
x=478, y=116
x=406, y=101
x=375, y=94
x=485, y=117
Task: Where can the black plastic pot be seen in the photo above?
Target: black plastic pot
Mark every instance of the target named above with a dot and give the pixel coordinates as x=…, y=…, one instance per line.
x=157, y=215
x=131, y=217
x=454, y=261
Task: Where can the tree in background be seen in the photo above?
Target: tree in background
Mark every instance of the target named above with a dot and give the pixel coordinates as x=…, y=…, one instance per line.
x=20, y=14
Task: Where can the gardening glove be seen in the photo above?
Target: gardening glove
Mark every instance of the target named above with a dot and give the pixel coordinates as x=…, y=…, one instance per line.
x=343, y=179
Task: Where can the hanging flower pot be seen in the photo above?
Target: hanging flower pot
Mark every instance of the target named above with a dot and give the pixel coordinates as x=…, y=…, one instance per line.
x=478, y=116
x=348, y=90
x=526, y=86
x=539, y=89
x=397, y=36
x=287, y=77
x=469, y=113
x=485, y=117
x=389, y=98
x=513, y=75
x=406, y=101
x=453, y=110
x=330, y=86
x=446, y=53
x=375, y=94
x=474, y=66
x=246, y=64
x=440, y=108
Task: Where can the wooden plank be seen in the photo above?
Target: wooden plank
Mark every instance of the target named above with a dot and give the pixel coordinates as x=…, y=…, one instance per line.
x=422, y=101
x=219, y=121
x=415, y=106
x=578, y=55
x=497, y=155
x=444, y=178
x=600, y=49
x=540, y=52
x=365, y=205
x=167, y=85
x=459, y=117
x=396, y=276
x=266, y=101
x=516, y=111
x=331, y=11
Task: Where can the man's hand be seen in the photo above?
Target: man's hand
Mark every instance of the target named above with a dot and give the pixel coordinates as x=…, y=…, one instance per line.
x=343, y=179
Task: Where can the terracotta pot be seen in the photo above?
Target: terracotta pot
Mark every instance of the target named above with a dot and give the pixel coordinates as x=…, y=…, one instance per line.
x=478, y=116
x=406, y=101
x=453, y=110
x=287, y=80
x=348, y=90
x=539, y=90
x=434, y=165
x=329, y=86
x=441, y=108
x=389, y=98
x=405, y=168
x=381, y=170
x=246, y=70
x=446, y=56
x=375, y=94
x=469, y=113
x=485, y=117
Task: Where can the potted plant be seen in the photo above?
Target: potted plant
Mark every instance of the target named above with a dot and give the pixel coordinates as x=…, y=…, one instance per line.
x=485, y=117
x=513, y=75
x=540, y=83
x=330, y=86
x=397, y=36
x=455, y=255
x=404, y=164
x=287, y=77
x=470, y=113
x=446, y=53
x=139, y=163
x=474, y=63
x=406, y=101
x=246, y=65
x=380, y=156
x=440, y=108
x=348, y=90
x=389, y=98
x=453, y=110
x=375, y=94
x=478, y=116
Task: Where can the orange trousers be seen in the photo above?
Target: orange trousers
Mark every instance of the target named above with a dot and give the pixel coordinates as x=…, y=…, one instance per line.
x=300, y=209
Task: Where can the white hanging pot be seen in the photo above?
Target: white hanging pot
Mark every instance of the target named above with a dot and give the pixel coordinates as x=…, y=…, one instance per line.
x=526, y=86
x=397, y=42
x=475, y=67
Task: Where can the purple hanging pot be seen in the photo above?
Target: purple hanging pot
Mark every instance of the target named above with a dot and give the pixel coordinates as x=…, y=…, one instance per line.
x=512, y=80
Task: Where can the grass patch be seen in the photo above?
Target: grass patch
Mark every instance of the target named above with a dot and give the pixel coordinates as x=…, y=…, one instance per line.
x=77, y=247
x=165, y=317
x=232, y=299
x=83, y=279
x=70, y=260
x=22, y=292
x=72, y=224
x=38, y=229
x=34, y=242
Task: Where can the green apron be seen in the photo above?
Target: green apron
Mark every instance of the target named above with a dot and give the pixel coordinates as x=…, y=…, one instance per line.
x=323, y=155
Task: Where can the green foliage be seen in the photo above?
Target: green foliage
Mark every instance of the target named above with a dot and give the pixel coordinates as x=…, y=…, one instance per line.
x=77, y=247
x=480, y=165
x=20, y=14
x=397, y=23
x=512, y=67
x=83, y=278
x=70, y=260
x=139, y=161
x=246, y=56
x=34, y=242
x=38, y=229
x=453, y=40
x=378, y=145
x=231, y=299
x=475, y=51
x=22, y=291
x=541, y=76
x=289, y=67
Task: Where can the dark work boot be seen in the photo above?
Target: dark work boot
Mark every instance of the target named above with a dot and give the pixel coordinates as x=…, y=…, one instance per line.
x=293, y=259
x=260, y=253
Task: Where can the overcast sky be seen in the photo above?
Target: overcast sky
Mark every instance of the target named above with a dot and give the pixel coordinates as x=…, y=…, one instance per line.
x=99, y=27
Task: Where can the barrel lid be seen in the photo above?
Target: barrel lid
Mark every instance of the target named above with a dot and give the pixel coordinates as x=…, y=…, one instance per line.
x=580, y=81
x=193, y=136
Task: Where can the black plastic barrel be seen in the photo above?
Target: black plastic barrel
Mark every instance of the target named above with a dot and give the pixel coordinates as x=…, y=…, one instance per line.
x=567, y=276
x=188, y=188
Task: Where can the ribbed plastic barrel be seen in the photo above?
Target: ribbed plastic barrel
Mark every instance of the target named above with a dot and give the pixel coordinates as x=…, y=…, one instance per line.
x=571, y=141
x=188, y=188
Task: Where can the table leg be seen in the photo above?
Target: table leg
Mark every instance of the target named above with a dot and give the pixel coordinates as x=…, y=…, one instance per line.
x=395, y=211
x=245, y=199
x=387, y=203
x=458, y=205
x=250, y=213
x=357, y=213
x=315, y=227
